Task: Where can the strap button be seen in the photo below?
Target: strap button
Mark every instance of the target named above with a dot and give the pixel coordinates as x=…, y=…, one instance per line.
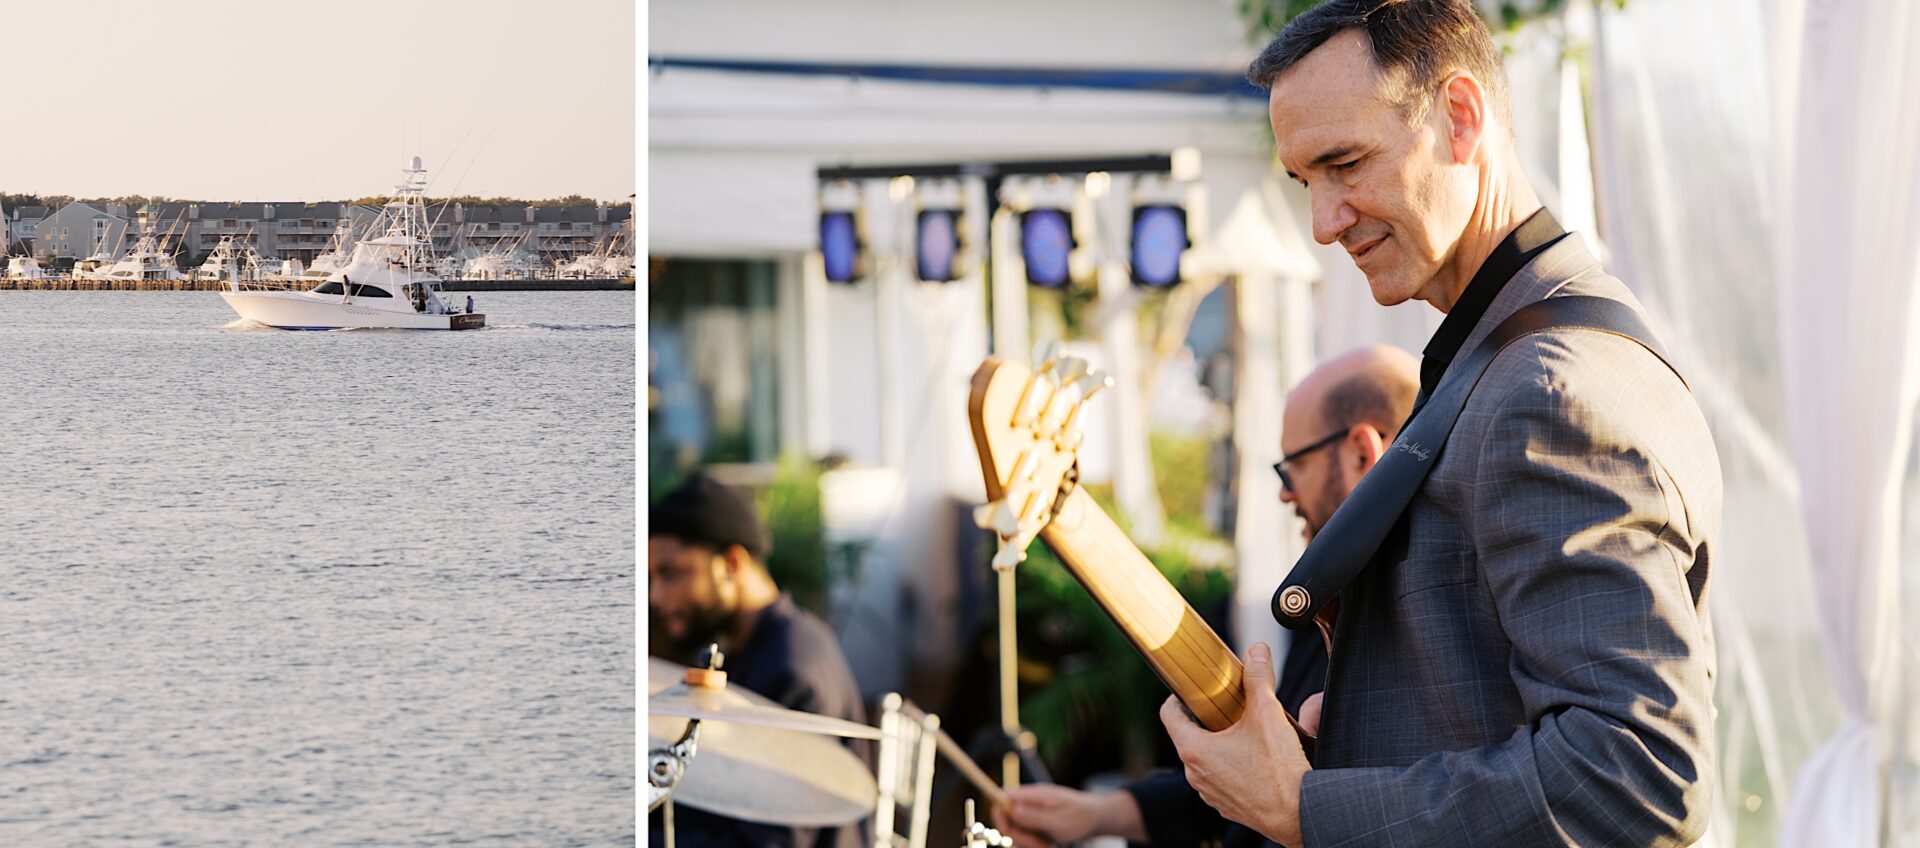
x=1295, y=600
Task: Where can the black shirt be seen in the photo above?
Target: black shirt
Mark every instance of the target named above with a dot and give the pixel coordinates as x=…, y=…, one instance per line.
x=1534, y=235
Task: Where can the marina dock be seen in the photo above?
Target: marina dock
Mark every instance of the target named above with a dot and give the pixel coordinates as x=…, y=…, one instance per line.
x=71, y=284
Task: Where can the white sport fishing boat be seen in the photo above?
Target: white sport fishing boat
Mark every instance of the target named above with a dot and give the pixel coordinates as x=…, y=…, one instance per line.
x=226, y=262
x=24, y=268
x=145, y=262
x=389, y=283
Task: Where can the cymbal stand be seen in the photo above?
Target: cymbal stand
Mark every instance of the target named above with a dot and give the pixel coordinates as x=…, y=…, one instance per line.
x=665, y=766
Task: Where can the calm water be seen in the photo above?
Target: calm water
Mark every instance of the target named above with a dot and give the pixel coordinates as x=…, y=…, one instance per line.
x=349, y=588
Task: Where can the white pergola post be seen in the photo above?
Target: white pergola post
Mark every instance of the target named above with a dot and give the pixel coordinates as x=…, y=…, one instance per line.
x=1119, y=333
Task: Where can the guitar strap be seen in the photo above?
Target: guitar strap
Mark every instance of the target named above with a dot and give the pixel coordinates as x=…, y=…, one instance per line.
x=1355, y=532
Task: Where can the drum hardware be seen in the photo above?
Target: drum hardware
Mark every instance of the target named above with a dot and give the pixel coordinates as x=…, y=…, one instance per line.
x=980, y=836
x=758, y=762
x=665, y=766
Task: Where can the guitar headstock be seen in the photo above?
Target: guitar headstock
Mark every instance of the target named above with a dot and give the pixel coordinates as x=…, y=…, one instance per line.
x=1026, y=428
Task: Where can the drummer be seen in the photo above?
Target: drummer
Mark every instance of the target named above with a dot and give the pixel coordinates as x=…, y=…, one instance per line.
x=707, y=582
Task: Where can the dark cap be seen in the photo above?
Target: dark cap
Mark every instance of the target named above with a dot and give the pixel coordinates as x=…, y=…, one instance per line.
x=702, y=510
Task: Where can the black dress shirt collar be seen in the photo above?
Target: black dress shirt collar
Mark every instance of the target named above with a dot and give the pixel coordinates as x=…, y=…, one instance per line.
x=1534, y=235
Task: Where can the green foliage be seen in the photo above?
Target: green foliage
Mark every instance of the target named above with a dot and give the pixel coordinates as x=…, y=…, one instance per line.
x=569, y=201
x=1183, y=469
x=1085, y=687
x=13, y=202
x=1089, y=681
x=791, y=509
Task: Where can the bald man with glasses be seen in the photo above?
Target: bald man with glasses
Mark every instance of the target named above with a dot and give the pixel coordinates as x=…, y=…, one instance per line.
x=1338, y=422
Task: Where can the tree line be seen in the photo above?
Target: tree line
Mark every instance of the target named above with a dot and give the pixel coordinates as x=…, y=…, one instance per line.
x=135, y=201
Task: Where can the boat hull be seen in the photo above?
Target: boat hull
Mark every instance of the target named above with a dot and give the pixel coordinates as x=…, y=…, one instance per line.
x=297, y=311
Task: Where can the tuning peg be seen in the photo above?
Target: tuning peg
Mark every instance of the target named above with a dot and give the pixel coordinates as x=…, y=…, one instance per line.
x=1031, y=396
x=1069, y=371
x=1069, y=437
x=1045, y=354
x=1093, y=383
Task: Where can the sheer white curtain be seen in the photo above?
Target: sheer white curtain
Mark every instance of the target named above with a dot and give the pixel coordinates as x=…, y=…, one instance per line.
x=1757, y=184
x=1849, y=166
x=1682, y=149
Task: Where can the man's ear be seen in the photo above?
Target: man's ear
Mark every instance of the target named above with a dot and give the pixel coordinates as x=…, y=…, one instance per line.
x=1367, y=446
x=737, y=560
x=1464, y=104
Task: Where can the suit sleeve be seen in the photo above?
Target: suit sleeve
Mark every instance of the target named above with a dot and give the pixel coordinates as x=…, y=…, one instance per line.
x=1584, y=547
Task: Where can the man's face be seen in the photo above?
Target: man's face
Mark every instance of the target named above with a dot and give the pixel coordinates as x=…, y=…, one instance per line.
x=1318, y=487
x=1391, y=194
x=690, y=598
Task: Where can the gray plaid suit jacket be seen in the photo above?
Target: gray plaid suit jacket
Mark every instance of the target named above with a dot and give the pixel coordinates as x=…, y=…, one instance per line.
x=1527, y=661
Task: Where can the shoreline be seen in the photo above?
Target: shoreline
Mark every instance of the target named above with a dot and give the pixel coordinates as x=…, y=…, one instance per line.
x=69, y=284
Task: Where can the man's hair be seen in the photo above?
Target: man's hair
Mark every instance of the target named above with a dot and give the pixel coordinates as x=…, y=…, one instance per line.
x=1416, y=44
x=702, y=511
x=1367, y=399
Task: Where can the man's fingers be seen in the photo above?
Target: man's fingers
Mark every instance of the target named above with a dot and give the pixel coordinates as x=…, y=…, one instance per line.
x=998, y=815
x=1260, y=679
x=1180, y=727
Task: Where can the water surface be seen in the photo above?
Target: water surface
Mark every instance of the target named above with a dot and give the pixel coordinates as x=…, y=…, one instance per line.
x=344, y=588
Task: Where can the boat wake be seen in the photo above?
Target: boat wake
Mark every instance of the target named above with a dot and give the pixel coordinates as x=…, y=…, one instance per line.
x=569, y=328
x=246, y=325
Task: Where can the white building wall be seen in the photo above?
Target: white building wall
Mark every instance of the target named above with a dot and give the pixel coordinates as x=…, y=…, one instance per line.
x=1163, y=34
x=731, y=173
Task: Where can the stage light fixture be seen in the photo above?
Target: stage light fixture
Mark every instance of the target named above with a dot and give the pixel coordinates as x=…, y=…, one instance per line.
x=1046, y=242
x=936, y=242
x=839, y=245
x=1159, y=235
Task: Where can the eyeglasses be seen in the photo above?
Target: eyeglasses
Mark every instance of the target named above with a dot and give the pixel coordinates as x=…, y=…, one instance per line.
x=1280, y=468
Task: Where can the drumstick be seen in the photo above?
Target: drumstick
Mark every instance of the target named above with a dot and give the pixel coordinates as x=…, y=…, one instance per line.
x=969, y=769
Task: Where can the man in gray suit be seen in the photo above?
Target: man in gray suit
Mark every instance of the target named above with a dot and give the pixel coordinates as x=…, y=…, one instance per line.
x=1526, y=660
x=1337, y=423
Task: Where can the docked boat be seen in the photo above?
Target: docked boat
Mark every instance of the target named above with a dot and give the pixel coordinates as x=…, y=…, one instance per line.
x=505, y=262
x=388, y=283
x=227, y=261
x=98, y=263
x=24, y=268
x=145, y=262
x=339, y=251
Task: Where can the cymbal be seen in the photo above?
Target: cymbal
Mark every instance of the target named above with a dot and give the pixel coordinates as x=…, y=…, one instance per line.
x=662, y=674
x=757, y=761
x=734, y=705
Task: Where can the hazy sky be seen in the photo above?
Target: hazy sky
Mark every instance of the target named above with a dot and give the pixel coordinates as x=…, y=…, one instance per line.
x=252, y=100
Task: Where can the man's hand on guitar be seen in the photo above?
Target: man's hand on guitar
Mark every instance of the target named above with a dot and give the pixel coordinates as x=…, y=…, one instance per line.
x=1250, y=772
x=1044, y=814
